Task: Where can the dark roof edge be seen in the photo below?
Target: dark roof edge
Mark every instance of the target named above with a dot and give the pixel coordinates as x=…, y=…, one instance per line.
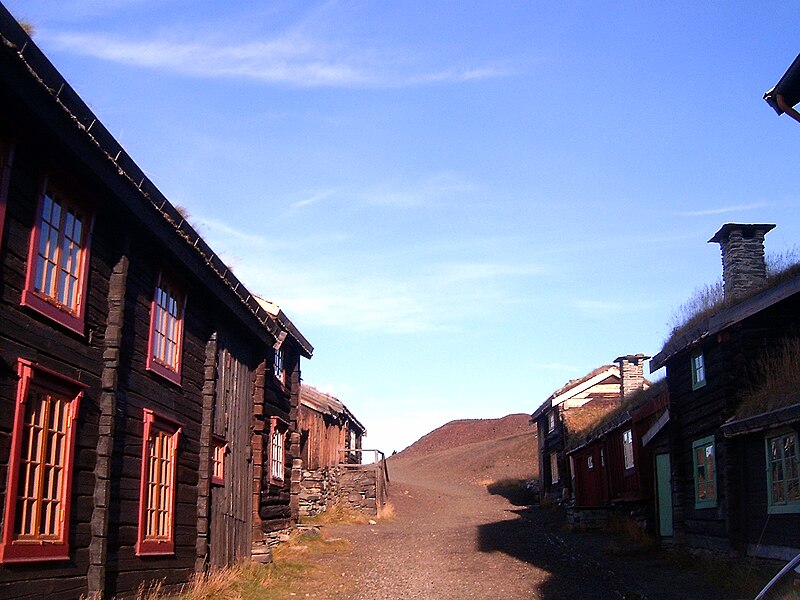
x=64, y=96
x=727, y=317
x=762, y=422
x=286, y=323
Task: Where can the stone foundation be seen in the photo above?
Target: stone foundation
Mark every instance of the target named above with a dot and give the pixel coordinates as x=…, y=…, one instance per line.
x=319, y=489
x=588, y=518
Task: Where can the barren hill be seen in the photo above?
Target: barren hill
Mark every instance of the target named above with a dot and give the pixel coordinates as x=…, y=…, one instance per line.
x=473, y=450
x=468, y=431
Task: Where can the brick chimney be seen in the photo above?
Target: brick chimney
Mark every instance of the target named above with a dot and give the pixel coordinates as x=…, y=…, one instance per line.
x=744, y=269
x=631, y=373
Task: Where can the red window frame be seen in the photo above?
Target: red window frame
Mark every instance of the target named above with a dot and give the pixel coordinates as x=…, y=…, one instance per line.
x=277, y=450
x=48, y=465
x=59, y=261
x=6, y=160
x=165, y=343
x=156, y=531
x=219, y=447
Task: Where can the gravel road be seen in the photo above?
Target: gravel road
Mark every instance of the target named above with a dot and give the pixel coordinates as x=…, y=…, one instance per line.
x=451, y=539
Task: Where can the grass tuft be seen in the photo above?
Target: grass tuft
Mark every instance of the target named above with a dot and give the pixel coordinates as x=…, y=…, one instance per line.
x=631, y=536
x=710, y=299
x=777, y=380
x=338, y=513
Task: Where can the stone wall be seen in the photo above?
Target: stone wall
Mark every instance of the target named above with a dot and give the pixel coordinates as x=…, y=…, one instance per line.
x=319, y=489
x=359, y=487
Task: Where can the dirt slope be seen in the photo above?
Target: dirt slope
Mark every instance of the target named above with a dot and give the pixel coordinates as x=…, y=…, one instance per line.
x=474, y=451
x=468, y=431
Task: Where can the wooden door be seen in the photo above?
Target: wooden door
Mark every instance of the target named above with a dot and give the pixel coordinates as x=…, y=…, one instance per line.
x=664, y=494
x=232, y=498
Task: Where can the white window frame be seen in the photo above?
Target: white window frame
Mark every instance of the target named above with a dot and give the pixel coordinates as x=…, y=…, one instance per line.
x=627, y=448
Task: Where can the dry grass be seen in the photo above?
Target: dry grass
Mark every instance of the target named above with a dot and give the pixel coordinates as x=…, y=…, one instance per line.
x=777, y=374
x=338, y=513
x=710, y=299
x=739, y=577
x=290, y=568
x=704, y=302
x=631, y=537
x=630, y=403
x=386, y=512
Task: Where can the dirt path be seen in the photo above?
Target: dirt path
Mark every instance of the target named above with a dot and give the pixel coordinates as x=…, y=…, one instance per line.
x=451, y=539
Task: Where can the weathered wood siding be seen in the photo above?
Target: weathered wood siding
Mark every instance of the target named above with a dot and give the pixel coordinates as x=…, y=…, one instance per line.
x=321, y=438
x=131, y=243
x=231, y=503
x=731, y=369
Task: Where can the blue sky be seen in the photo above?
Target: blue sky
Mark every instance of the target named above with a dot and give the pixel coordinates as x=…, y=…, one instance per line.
x=462, y=205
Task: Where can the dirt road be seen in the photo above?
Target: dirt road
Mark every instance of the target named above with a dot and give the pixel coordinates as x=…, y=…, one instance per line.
x=451, y=539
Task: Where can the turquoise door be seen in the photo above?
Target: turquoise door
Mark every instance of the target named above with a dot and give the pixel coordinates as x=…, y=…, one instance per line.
x=664, y=489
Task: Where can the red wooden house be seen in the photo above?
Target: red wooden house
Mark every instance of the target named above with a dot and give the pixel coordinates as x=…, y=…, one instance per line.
x=612, y=463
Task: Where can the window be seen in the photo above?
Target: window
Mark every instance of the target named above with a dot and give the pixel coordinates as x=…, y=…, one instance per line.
x=705, y=473
x=627, y=448
x=551, y=421
x=783, y=481
x=166, y=331
x=698, y=370
x=218, y=449
x=6, y=158
x=554, y=468
x=40, y=467
x=57, y=260
x=157, y=495
x=277, y=451
x=278, y=366
x=590, y=462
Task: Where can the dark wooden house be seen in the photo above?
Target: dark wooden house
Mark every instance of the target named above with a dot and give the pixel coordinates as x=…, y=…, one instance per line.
x=734, y=478
x=573, y=409
x=148, y=401
x=330, y=435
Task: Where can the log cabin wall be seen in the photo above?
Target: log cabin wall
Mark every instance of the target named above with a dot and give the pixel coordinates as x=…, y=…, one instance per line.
x=231, y=496
x=276, y=512
x=696, y=415
x=103, y=357
x=28, y=335
x=731, y=368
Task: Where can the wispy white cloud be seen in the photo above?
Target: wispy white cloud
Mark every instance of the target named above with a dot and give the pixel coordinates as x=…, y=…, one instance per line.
x=363, y=296
x=314, y=198
x=294, y=59
x=427, y=192
x=722, y=210
x=463, y=272
x=216, y=228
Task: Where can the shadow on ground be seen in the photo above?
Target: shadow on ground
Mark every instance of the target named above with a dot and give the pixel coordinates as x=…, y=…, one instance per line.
x=597, y=565
x=515, y=491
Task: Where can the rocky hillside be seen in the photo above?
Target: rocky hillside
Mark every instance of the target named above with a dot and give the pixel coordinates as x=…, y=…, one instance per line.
x=468, y=431
x=474, y=450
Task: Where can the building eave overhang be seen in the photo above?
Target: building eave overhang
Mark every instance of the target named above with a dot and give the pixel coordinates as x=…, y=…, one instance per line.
x=762, y=422
x=583, y=386
x=285, y=323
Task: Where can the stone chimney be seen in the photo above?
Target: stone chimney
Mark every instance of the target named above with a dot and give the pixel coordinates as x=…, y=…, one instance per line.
x=631, y=372
x=744, y=269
